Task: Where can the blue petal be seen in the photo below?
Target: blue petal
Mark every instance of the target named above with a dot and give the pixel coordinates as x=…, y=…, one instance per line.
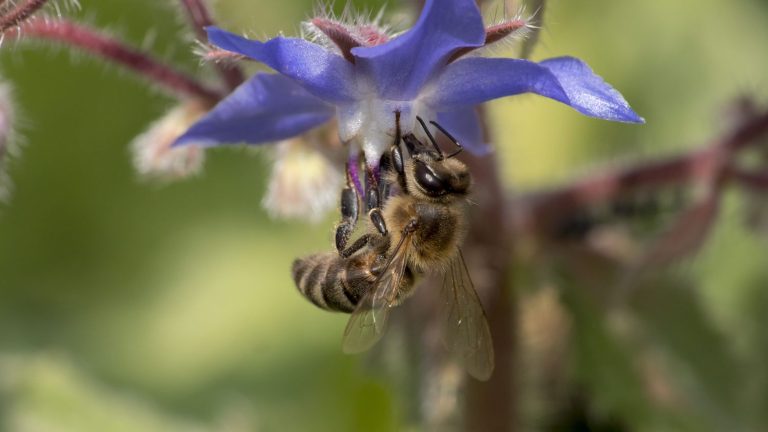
x=400, y=67
x=564, y=79
x=323, y=73
x=268, y=107
x=464, y=124
x=588, y=93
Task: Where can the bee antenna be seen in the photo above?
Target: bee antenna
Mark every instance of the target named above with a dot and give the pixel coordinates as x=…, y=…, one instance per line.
x=450, y=137
x=431, y=138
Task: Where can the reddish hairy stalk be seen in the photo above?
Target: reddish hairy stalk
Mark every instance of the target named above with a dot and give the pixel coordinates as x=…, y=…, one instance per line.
x=220, y=55
x=540, y=212
x=200, y=18
x=495, y=33
x=498, y=32
x=339, y=35
x=79, y=36
x=20, y=12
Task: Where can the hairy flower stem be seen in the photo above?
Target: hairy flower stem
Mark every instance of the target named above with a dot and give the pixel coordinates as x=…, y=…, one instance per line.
x=200, y=18
x=492, y=405
x=20, y=12
x=108, y=48
x=539, y=214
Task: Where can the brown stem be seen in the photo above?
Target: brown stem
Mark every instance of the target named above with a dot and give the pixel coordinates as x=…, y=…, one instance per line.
x=200, y=18
x=538, y=213
x=89, y=40
x=22, y=11
x=489, y=405
x=493, y=405
x=755, y=181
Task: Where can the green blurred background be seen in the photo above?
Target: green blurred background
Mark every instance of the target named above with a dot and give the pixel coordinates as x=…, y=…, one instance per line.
x=128, y=306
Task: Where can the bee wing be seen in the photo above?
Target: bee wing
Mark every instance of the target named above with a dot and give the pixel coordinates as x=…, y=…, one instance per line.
x=369, y=319
x=465, y=328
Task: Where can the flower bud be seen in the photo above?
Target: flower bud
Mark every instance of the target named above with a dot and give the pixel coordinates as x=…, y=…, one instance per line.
x=153, y=154
x=6, y=139
x=306, y=177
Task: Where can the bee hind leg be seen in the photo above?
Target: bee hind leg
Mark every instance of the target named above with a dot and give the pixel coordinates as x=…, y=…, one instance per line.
x=360, y=243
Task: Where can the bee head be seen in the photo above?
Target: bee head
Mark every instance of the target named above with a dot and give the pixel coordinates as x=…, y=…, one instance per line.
x=440, y=177
x=432, y=173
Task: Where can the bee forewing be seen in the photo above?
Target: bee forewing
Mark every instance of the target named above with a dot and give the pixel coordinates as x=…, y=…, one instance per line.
x=365, y=328
x=369, y=320
x=465, y=328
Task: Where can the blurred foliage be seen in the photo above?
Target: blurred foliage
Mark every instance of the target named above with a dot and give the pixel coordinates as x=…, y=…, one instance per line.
x=125, y=306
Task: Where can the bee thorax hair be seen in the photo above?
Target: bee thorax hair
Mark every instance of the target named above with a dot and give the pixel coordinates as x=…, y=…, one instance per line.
x=439, y=230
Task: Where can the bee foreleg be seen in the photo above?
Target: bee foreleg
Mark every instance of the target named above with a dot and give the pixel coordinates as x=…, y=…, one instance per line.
x=372, y=199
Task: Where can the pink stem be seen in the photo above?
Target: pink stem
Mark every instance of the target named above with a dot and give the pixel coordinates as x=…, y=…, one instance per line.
x=76, y=35
x=538, y=213
x=756, y=181
x=19, y=13
x=493, y=34
x=493, y=405
x=200, y=18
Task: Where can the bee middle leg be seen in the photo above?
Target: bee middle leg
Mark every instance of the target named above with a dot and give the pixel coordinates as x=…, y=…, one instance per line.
x=377, y=190
x=380, y=186
x=350, y=200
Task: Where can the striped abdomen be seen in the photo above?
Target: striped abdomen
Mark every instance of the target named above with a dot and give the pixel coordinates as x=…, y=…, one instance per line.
x=332, y=282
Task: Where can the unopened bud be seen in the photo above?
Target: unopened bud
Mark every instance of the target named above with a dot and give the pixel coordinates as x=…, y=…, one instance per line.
x=306, y=178
x=6, y=139
x=153, y=154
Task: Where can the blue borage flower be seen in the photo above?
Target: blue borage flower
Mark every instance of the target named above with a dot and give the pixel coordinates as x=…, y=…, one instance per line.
x=368, y=76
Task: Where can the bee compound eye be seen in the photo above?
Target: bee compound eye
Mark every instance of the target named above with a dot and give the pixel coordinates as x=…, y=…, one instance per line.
x=428, y=180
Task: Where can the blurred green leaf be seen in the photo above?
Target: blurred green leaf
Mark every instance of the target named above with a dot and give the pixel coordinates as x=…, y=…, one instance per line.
x=604, y=366
x=701, y=364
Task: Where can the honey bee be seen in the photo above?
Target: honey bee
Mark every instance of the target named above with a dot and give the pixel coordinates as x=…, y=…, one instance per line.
x=415, y=232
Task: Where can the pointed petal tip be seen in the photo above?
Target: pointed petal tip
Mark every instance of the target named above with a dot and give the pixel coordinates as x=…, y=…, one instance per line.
x=628, y=115
x=625, y=116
